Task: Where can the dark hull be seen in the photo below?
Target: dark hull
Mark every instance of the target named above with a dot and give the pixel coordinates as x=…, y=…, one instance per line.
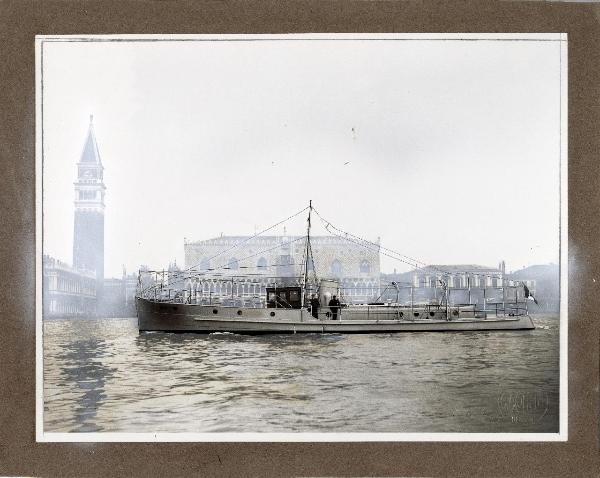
x=171, y=317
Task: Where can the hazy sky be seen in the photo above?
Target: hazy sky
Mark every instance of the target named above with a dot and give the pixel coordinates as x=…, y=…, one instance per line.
x=447, y=150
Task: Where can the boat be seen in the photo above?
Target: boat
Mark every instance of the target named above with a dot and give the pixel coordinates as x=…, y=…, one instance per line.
x=164, y=303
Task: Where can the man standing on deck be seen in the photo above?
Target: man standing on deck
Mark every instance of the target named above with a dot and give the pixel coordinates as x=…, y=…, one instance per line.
x=334, y=305
x=314, y=306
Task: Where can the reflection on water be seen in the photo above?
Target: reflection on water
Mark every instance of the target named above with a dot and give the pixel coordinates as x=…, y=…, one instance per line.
x=90, y=375
x=101, y=375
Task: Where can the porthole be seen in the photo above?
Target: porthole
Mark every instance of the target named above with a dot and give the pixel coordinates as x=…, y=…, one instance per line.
x=401, y=314
x=272, y=314
x=239, y=312
x=215, y=311
x=431, y=314
x=455, y=313
x=416, y=314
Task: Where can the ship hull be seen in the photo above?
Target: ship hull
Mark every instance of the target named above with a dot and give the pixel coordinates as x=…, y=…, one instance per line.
x=173, y=317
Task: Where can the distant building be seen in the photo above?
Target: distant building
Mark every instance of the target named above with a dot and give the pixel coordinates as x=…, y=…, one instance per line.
x=130, y=284
x=248, y=264
x=118, y=299
x=88, y=230
x=67, y=291
x=113, y=298
x=459, y=275
x=464, y=276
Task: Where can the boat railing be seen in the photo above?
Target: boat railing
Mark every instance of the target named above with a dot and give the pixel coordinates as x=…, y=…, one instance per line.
x=495, y=301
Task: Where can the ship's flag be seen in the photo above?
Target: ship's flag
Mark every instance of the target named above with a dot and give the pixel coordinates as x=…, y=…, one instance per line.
x=529, y=295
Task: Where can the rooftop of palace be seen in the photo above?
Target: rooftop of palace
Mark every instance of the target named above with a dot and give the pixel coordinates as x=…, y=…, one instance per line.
x=456, y=268
x=234, y=240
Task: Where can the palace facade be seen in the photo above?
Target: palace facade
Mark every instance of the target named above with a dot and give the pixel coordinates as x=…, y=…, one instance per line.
x=245, y=265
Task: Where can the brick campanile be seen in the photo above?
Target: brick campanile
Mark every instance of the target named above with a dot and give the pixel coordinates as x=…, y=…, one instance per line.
x=88, y=233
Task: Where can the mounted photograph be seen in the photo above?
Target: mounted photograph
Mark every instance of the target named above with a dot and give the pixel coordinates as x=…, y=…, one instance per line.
x=301, y=237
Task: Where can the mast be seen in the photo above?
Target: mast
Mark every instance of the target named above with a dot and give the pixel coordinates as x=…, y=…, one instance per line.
x=305, y=272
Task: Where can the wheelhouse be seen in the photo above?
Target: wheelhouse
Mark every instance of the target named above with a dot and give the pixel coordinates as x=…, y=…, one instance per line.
x=284, y=297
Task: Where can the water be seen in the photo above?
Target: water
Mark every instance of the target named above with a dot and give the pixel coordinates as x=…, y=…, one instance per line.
x=103, y=376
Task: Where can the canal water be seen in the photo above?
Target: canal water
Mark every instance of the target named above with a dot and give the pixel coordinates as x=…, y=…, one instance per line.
x=101, y=375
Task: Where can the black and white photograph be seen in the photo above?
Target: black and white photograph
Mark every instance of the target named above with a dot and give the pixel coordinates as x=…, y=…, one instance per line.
x=301, y=237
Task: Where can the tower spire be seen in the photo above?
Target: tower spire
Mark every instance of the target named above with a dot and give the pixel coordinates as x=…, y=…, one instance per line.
x=90, y=153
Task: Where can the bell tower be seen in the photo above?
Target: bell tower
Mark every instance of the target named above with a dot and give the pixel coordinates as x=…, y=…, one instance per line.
x=88, y=233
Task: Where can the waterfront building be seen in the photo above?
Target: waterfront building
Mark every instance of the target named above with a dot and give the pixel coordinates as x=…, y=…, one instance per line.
x=461, y=276
x=246, y=265
x=67, y=291
x=458, y=275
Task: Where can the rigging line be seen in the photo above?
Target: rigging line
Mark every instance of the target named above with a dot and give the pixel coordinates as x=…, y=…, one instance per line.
x=366, y=240
x=312, y=261
x=181, y=275
x=305, y=252
x=250, y=279
x=251, y=237
x=372, y=249
x=430, y=267
x=453, y=274
x=194, y=274
x=226, y=265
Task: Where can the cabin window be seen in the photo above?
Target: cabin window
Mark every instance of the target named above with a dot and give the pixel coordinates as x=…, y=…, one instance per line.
x=294, y=296
x=272, y=296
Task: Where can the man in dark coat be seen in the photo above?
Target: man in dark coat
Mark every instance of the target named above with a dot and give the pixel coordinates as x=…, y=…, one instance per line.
x=314, y=306
x=334, y=305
